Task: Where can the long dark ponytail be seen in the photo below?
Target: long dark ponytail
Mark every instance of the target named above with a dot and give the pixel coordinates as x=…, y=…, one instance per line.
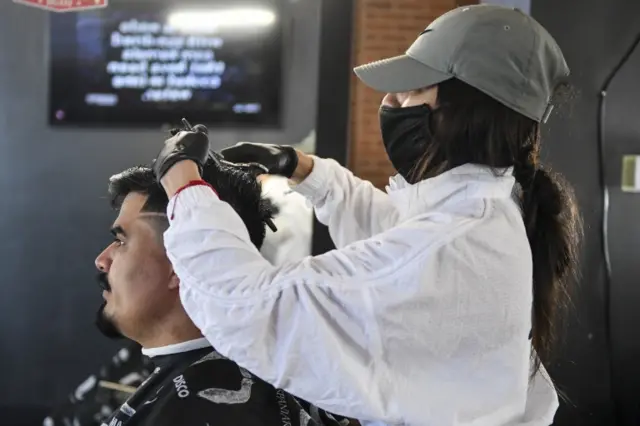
x=468, y=126
x=554, y=230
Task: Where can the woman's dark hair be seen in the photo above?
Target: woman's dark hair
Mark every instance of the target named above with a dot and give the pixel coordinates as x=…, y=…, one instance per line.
x=468, y=126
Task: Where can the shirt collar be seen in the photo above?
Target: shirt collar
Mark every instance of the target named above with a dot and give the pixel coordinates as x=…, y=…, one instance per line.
x=190, y=345
x=464, y=182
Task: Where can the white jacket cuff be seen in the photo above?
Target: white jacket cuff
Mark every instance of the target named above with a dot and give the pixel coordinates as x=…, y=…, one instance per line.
x=315, y=186
x=188, y=198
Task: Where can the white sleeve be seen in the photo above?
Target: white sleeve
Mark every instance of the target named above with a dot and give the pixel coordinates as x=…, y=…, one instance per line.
x=305, y=327
x=352, y=208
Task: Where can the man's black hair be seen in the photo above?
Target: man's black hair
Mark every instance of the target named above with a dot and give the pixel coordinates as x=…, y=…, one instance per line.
x=234, y=186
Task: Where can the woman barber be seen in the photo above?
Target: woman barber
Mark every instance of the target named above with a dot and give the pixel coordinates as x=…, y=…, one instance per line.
x=440, y=303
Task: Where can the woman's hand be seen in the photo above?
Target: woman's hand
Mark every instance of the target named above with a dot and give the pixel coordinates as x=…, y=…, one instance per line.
x=280, y=160
x=304, y=168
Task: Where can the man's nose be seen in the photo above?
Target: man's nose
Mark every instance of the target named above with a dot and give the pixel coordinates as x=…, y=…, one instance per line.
x=103, y=261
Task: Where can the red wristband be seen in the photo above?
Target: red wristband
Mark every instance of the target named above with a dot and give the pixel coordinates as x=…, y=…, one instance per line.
x=195, y=183
x=188, y=185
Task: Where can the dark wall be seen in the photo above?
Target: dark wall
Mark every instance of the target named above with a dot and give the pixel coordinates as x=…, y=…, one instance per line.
x=594, y=35
x=621, y=136
x=54, y=219
x=334, y=79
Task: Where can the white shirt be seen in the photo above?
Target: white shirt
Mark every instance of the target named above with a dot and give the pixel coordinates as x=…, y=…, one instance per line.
x=177, y=348
x=420, y=317
x=292, y=241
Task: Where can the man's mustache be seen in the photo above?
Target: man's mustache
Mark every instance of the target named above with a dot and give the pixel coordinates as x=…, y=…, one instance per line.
x=103, y=281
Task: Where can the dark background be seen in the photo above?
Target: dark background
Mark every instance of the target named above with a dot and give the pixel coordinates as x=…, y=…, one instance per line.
x=54, y=218
x=594, y=35
x=48, y=217
x=622, y=136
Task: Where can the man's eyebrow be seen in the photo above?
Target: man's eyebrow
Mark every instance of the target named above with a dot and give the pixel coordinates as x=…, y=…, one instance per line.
x=118, y=231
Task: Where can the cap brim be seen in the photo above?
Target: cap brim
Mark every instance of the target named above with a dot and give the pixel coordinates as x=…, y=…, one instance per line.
x=399, y=74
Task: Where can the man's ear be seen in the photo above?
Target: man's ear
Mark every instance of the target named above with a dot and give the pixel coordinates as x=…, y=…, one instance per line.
x=174, y=281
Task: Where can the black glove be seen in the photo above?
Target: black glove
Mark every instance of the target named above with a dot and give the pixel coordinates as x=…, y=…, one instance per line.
x=189, y=144
x=276, y=159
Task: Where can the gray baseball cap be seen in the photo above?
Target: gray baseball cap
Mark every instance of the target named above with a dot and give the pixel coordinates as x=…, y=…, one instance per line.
x=500, y=51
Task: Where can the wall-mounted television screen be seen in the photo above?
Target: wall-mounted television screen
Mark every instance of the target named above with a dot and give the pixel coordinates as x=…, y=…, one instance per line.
x=147, y=64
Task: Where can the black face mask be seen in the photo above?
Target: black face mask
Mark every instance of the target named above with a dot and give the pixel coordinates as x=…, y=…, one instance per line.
x=406, y=135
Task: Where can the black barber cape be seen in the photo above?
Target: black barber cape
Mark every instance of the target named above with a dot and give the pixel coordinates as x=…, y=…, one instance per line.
x=201, y=387
x=96, y=398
